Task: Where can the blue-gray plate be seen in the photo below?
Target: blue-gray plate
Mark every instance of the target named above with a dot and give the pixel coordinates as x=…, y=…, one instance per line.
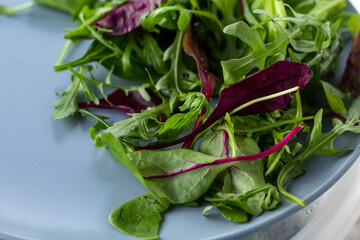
x=54, y=184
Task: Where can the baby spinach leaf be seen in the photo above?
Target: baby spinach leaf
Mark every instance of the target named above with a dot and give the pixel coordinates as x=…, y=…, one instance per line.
x=181, y=188
x=141, y=216
x=243, y=176
x=189, y=174
x=126, y=17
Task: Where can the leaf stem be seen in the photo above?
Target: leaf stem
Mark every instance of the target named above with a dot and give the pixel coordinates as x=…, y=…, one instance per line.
x=275, y=95
x=63, y=52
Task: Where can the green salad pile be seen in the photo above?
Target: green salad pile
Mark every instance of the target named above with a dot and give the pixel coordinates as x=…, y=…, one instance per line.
x=225, y=99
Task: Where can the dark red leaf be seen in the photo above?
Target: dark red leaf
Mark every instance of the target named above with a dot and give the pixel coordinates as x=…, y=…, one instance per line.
x=193, y=50
x=127, y=16
x=207, y=80
x=351, y=79
x=132, y=102
x=278, y=77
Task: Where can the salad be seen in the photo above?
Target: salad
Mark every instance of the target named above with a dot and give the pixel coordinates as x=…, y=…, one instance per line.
x=225, y=98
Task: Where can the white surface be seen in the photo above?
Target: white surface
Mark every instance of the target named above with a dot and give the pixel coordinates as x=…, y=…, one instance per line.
x=338, y=209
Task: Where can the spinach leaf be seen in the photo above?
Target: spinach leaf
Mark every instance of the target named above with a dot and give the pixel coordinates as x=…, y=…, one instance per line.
x=189, y=174
x=141, y=216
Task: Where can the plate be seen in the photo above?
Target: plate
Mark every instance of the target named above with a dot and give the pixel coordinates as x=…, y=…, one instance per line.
x=55, y=184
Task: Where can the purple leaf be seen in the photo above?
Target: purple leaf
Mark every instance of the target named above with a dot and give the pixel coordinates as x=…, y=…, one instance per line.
x=351, y=79
x=127, y=16
x=132, y=102
x=253, y=157
x=278, y=77
x=193, y=50
x=207, y=79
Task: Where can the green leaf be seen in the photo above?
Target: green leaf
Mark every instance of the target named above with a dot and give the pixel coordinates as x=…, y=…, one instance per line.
x=290, y=171
x=264, y=54
x=153, y=53
x=173, y=79
x=183, y=187
x=322, y=143
x=141, y=216
x=251, y=202
x=119, y=154
x=67, y=104
x=138, y=122
x=354, y=23
x=177, y=123
x=99, y=126
x=335, y=98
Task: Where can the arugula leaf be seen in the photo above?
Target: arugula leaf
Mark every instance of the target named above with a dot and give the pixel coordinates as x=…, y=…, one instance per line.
x=138, y=122
x=141, y=216
x=178, y=72
x=235, y=206
x=100, y=125
x=319, y=144
x=67, y=104
x=195, y=102
x=159, y=17
x=235, y=70
x=335, y=98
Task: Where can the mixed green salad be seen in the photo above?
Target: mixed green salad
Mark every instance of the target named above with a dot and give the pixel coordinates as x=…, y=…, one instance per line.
x=226, y=102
